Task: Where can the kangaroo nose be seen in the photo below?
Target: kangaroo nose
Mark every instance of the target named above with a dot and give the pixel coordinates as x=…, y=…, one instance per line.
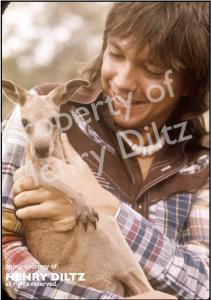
x=42, y=151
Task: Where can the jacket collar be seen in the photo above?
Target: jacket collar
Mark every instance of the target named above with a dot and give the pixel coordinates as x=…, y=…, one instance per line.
x=164, y=165
x=87, y=94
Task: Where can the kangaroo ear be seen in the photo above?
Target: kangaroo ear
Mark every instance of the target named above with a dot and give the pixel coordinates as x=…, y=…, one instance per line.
x=63, y=92
x=14, y=93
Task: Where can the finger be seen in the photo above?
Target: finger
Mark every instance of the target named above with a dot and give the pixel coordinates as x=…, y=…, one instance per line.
x=40, y=211
x=19, y=173
x=153, y=295
x=30, y=198
x=69, y=152
x=24, y=184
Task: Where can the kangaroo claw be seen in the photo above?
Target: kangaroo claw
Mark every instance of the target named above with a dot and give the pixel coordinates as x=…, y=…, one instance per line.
x=87, y=216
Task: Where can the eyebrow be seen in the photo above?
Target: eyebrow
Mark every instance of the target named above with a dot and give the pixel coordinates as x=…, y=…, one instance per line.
x=143, y=61
x=114, y=44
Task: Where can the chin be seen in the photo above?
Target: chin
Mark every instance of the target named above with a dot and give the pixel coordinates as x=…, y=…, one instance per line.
x=131, y=123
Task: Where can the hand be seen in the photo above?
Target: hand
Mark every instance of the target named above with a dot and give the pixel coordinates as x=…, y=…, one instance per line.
x=39, y=202
x=36, y=201
x=153, y=295
x=75, y=180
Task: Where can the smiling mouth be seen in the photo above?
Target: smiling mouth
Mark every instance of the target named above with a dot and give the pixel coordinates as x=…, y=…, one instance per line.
x=138, y=102
x=124, y=103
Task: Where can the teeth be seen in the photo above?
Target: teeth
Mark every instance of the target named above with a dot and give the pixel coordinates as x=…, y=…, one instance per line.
x=120, y=99
x=117, y=99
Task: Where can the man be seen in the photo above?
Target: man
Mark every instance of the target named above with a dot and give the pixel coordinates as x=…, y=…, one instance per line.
x=153, y=67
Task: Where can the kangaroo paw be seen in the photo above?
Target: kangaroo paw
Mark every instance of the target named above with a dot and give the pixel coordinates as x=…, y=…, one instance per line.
x=86, y=216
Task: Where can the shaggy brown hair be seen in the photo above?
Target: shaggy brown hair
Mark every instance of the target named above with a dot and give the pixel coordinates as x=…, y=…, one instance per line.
x=178, y=36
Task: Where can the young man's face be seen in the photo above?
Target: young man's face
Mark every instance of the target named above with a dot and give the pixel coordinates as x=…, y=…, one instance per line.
x=155, y=92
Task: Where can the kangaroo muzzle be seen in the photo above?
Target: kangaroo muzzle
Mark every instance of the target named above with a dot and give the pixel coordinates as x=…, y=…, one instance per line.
x=42, y=151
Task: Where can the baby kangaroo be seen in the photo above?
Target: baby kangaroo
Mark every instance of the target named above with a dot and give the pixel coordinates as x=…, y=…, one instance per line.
x=76, y=250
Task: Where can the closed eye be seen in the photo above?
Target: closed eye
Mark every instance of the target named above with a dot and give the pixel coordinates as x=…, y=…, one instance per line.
x=154, y=73
x=115, y=54
x=154, y=70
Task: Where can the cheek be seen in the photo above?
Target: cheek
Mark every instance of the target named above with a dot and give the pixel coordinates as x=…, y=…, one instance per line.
x=107, y=71
x=159, y=91
x=155, y=90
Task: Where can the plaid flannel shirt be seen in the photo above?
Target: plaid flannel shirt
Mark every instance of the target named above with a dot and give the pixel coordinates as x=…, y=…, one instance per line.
x=171, y=246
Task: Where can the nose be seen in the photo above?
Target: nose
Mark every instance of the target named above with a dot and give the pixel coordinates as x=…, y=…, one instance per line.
x=42, y=151
x=125, y=80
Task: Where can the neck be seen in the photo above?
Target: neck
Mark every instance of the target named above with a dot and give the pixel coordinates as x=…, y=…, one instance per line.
x=58, y=152
x=147, y=137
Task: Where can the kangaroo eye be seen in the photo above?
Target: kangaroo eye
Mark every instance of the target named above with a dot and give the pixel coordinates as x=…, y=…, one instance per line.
x=53, y=121
x=24, y=122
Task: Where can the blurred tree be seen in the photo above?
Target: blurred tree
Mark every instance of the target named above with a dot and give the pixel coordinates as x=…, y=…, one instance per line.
x=50, y=41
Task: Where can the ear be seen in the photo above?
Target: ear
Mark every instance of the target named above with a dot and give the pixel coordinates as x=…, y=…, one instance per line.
x=63, y=92
x=14, y=93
